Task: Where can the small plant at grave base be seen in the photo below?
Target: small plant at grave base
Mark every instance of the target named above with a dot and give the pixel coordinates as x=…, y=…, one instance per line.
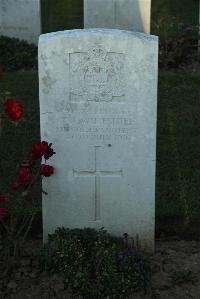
x=184, y=276
x=94, y=264
x=18, y=208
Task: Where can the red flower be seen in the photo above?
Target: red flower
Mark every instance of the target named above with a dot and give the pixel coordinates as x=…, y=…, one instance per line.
x=46, y=170
x=13, y=109
x=41, y=148
x=1, y=71
x=24, y=178
x=2, y=198
x=15, y=184
x=3, y=212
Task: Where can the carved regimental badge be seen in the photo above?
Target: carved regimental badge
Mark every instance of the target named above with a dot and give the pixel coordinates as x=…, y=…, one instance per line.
x=96, y=76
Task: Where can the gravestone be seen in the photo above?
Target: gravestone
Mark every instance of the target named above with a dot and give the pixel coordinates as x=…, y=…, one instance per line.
x=20, y=19
x=122, y=14
x=98, y=95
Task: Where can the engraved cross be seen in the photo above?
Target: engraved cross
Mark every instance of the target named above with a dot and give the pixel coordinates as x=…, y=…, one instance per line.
x=97, y=174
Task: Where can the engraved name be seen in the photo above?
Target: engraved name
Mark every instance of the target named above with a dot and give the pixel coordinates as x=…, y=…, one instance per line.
x=100, y=128
x=13, y=28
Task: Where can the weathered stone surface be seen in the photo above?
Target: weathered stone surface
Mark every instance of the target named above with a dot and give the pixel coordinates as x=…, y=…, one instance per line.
x=98, y=99
x=132, y=15
x=20, y=19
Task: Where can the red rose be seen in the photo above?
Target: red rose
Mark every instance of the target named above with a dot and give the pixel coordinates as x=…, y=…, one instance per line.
x=46, y=170
x=3, y=212
x=36, y=151
x=41, y=148
x=13, y=109
x=24, y=178
x=1, y=71
x=15, y=184
x=48, y=151
x=2, y=198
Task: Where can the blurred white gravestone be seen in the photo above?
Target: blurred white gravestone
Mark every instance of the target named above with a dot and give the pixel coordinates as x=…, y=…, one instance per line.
x=132, y=15
x=98, y=99
x=20, y=19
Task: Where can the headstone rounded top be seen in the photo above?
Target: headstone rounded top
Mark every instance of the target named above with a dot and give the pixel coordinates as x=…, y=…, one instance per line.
x=98, y=31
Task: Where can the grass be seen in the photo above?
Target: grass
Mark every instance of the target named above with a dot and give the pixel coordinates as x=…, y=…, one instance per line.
x=178, y=142
x=183, y=277
x=184, y=10
x=178, y=163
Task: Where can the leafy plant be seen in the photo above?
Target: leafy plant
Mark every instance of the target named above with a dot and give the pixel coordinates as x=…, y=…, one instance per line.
x=178, y=41
x=17, y=54
x=18, y=208
x=184, y=276
x=93, y=263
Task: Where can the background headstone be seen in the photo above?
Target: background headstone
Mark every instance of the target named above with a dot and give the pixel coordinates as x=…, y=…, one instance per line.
x=122, y=14
x=20, y=19
x=98, y=99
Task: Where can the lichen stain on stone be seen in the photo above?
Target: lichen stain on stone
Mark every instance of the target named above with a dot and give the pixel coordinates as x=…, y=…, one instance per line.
x=48, y=82
x=87, y=105
x=71, y=107
x=60, y=106
x=45, y=134
x=66, y=127
x=43, y=58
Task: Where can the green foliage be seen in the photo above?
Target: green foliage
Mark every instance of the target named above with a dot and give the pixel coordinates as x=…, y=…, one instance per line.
x=61, y=15
x=176, y=23
x=177, y=41
x=17, y=54
x=184, y=276
x=95, y=264
x=23, y=86
x=184, y=10
x=178, y=164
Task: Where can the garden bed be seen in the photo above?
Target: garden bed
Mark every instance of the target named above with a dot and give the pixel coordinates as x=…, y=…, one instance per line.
x=176, y=266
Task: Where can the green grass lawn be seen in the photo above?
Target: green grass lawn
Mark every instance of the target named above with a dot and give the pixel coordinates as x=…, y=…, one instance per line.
x=178, y=142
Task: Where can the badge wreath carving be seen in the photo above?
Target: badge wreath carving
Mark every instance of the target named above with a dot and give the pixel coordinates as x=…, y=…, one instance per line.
x=96, y=76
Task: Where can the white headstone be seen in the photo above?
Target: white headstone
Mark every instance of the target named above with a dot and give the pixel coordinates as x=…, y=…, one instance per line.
x=20, y=19
x=132, y=15
x=98, y=99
